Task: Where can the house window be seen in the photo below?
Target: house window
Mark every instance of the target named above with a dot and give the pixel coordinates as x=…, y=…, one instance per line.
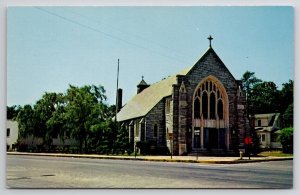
x=8, y=132
x=259, y=123
x=155, y=129
x=263, y=137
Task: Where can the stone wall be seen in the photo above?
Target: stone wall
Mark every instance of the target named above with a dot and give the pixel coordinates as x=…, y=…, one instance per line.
x=156, y=116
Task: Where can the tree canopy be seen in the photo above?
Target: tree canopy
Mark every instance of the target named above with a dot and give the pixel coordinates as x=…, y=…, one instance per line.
x=80, y=114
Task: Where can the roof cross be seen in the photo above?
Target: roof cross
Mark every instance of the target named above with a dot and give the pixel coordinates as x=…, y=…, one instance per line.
x=210, y=38
x=142, y=77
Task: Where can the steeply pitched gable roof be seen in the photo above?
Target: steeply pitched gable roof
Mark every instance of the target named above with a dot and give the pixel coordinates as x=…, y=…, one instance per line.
x=143, y=102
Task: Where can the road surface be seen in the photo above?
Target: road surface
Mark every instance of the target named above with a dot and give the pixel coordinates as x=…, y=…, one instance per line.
x=60, y=172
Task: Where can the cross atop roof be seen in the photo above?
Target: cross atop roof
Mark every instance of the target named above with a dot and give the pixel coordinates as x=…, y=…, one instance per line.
x=210, y=39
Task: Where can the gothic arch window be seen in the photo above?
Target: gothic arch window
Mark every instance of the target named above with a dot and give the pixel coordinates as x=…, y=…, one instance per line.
x=197, y=108
x=209, y=100
x=220, y=109
x=205, y=105
x=212, y=106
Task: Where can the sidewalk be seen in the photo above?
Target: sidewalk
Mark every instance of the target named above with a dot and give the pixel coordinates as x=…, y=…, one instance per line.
x=186, y=159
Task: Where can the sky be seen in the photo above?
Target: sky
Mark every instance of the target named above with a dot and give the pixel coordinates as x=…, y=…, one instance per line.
x=49, y=48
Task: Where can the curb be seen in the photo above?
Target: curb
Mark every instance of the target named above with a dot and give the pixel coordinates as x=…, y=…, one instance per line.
x=237, y=161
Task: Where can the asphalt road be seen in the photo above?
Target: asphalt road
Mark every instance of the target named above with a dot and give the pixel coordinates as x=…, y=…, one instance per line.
x=58, y=172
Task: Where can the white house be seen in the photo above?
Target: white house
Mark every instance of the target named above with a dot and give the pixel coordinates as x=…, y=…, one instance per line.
x=12, y=131
x=268, y=127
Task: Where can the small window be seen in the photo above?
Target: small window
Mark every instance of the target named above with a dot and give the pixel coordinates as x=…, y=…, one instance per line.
x=259, y=123
x=155, y=130
x=263, y=137
x=137, y=129
x=168, y=106
x=8, y=132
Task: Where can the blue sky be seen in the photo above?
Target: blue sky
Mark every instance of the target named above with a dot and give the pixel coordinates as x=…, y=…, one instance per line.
x=49, y=48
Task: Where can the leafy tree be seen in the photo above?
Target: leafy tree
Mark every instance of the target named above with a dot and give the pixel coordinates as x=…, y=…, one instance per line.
x=12, y=112
x=286, y=139
x=44, y=110
x=84, y=111
x=264, y=98
x=288, y=116
x=26, y=121
x=249, y=81
x=286, y=103
x=287, y=95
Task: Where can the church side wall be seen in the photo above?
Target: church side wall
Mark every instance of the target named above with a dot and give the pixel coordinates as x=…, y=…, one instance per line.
x=156, y=116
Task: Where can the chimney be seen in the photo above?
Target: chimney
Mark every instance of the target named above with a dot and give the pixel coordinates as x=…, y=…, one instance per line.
x=142, y=85
x=120, y=94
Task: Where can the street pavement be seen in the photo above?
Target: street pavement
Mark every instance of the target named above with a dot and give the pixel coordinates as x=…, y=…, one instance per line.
x=28, y=171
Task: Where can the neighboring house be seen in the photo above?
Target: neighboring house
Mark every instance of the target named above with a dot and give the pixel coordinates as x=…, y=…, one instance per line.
x=268, y=128
x=200, y=108
x=12, y=132
x=32, y=142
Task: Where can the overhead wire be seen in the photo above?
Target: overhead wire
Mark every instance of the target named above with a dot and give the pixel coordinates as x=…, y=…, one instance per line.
x=106, y=34
x=130, y=34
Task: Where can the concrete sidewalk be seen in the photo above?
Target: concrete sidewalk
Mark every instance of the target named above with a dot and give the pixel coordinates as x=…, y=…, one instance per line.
x=186, y=159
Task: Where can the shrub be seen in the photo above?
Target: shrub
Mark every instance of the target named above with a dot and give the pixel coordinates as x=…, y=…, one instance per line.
x=286, y=139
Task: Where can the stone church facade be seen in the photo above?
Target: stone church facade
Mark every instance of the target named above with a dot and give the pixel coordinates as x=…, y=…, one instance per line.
x=201, y=108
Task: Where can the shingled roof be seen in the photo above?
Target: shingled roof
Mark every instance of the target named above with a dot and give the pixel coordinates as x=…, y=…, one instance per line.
x=143, y=102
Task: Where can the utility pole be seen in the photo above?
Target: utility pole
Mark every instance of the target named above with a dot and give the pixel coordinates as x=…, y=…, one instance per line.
x=116, y=125
x=117, y=91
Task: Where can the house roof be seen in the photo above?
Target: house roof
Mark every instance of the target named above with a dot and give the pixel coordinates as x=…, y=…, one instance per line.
x=258, y=116
x=143, y=102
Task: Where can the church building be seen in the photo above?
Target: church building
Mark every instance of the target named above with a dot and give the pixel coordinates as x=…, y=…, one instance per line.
x=201, y=108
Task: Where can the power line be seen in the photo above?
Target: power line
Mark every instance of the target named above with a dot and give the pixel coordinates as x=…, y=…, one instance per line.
x=106, y=34
x=130, y=34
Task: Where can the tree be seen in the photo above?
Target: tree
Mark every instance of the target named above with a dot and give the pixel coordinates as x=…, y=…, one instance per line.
x=44, y=110
x=85, y=109
x=286, y=139
x=264, y=98
x=12, y=112
x=249, y=81
x=288, y=116
x=26, y=121
x=287, y=95
x=286, y=103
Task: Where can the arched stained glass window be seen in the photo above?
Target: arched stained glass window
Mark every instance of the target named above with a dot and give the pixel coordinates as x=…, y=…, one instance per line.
x=197, y=108
x=209, y=100
x=220, y=109
x=212, y=106
x=205, y=105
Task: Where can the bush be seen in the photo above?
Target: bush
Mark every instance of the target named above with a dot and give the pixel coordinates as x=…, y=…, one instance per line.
x=286, y=139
